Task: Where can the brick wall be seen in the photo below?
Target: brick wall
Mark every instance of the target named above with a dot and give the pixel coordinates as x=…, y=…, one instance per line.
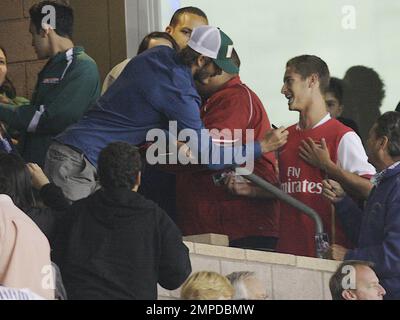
x=23, y=65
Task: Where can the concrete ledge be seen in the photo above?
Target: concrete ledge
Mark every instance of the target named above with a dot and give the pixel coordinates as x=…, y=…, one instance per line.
x=317, y=264
x=190, y=246
x=262, y=257
x=270, y=257
x=209, y=238
x=223, y=252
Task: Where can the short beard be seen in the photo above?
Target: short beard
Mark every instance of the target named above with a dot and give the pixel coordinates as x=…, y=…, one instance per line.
x=202, y=74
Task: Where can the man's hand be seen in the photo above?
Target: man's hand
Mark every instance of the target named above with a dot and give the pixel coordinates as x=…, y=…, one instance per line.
x=274, y=139
x=316, y=154
x=4, y=99
x=338, y=252
x=239, y=188
x=333, y=191
x=184, y=151
x=39, y=179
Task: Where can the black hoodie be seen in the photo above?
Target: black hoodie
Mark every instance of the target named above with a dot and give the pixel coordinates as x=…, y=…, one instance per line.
x=118, y=245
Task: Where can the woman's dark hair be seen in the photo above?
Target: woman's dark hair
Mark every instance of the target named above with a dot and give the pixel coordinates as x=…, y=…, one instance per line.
x=15, y=180
x=118, y=166
x=144, y=45
x=7, y=88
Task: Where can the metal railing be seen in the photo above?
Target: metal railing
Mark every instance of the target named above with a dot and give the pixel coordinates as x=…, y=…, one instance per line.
x=321, y=238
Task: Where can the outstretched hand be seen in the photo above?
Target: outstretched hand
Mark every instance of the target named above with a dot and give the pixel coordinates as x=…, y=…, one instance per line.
x=239, y=188
x=338, y=252
x=274, y=139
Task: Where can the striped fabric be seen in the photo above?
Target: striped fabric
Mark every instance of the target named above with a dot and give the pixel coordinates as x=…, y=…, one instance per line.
x=18, y=294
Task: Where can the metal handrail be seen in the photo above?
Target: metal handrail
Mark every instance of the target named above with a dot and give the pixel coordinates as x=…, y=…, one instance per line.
x=278, y=193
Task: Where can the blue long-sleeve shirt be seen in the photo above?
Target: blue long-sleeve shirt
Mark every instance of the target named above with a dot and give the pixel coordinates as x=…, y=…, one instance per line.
x=378, y=230
x=154, y=88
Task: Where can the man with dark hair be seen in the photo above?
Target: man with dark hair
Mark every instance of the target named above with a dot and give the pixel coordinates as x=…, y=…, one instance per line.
x=183, y=22
x=334, y=103
x=203, y=206
x=340, y=155
x=64, y=18
x=180, y=28
x=115, y=244
x=356, y=280
x=376, y=230
x=66, y=87
x=155, y=88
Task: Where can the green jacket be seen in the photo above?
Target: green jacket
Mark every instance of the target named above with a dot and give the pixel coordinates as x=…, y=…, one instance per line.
x=67, y=86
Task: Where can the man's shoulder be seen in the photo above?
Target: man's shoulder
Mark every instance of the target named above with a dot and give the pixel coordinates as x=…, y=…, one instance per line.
x=336, y=126
x=86, y=61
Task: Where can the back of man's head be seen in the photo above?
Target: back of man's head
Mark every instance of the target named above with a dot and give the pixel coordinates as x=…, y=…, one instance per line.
x=119, y=166
x=336, y=88
x=388, y=125
x=247, y=286
x=190, y=10
x=345, y=278
x=307, y=65
x=64, y=17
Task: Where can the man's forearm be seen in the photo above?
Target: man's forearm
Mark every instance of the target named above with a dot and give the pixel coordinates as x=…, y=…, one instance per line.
x=353, y=184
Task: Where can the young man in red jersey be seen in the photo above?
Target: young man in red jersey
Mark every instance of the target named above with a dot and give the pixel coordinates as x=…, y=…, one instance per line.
x=318, y=146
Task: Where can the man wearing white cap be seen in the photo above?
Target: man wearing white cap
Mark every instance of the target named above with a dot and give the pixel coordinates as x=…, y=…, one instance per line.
x=155, y=88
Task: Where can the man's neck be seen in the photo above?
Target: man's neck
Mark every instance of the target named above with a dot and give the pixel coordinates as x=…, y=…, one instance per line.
x=387, y=162
x=313, y=114
x=61, y=45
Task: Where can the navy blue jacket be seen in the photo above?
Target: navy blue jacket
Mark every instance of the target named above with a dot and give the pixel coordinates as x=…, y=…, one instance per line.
x=378, y=230
x=154, y=88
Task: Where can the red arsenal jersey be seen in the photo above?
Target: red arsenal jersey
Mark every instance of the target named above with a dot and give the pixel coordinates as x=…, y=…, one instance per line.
x=304, y=182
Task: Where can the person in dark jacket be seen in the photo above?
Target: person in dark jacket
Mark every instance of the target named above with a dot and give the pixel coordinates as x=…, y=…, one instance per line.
x=377, y=228
x=17, y=180
x=115, y=244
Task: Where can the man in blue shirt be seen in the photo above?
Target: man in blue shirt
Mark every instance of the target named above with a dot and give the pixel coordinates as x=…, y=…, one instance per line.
x=376, y=230
x=155, y=88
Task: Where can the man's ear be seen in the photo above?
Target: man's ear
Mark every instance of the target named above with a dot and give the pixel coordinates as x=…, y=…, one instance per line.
x=348, y=295
x=384, y=143
x=201, y=61
x=168, y=30
x=313, y=80
x=45, y=30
